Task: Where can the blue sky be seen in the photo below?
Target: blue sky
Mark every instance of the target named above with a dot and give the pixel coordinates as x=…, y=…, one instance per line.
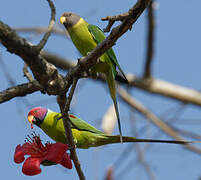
x=176, y=59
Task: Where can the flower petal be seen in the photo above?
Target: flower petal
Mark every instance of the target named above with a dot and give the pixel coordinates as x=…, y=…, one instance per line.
x=32, y=149
x=31, y=166
x=66, y=161
x=19, y=154
x=55, y=152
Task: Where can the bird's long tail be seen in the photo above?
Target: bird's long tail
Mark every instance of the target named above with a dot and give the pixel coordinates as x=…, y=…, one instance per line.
x=116, y=139
x=112, y=87
x=118, y=119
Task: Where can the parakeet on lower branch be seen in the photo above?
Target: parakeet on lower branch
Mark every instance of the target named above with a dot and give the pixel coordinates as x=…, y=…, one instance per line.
x=85, y=38
x=84, y=134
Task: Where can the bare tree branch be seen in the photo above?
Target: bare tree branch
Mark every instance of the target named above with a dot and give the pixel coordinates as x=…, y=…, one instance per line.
x=164, y=88
x=132, y=14
x=20, y=90
x=26, y=73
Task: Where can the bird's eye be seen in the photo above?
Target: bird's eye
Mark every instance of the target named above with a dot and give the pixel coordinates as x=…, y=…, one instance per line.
x=70, y=14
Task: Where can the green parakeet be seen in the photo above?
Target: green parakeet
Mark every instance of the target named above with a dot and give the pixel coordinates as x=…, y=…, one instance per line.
x=84, y=134
x=85, y=38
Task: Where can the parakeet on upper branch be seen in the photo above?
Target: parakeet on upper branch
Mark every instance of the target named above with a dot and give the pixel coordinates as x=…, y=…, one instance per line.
x=85, y=38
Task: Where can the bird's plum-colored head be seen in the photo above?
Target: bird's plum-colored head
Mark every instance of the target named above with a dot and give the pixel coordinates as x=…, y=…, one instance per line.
x=69, y=19
x=37, y=115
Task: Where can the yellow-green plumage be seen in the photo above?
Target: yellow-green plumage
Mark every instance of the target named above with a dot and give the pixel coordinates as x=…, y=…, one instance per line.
x=86, y=37
x=85, y=43
x=85, y=135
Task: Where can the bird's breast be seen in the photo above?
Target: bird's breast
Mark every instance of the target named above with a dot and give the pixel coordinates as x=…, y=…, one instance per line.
x=82, y=39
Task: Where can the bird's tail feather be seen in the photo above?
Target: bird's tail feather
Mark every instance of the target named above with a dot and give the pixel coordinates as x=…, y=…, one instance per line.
x=116, y=139
x=118, y=119
x=112, y=88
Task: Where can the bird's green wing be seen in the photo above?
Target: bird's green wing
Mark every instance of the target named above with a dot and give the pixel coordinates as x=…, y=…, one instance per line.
x=79, y=124
x=99, y=36
x=97, y=33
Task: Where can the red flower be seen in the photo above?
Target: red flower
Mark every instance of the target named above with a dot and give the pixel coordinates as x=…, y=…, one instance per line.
x=48, y=154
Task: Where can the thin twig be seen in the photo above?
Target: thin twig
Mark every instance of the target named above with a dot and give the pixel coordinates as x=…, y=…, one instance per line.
x=119, y=17
x=67, y=105
x=64, y=106
x=150, y=40
x=125, y=16
x=110, y=24
x=26, y=73
x=112, y=19
x=50, y=26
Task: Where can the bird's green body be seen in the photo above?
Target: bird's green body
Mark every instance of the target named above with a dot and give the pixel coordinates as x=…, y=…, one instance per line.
x=84, y=134
x=86, y=37
x=85, y=42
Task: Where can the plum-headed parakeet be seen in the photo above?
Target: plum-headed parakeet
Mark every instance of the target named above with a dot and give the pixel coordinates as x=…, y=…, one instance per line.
x=84, y=134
